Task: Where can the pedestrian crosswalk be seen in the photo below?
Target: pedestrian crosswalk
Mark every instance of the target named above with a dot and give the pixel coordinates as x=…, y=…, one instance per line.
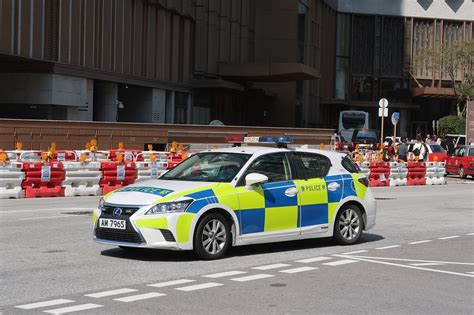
x=130, y=295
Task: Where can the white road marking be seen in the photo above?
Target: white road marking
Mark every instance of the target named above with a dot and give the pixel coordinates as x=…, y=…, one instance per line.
x=43, y=304
x=387, y=247
x=404, y=266
x=47, y=209
x=199, y=286
x=410, y=260
x=356, y=252
x=111, y=292
x=340, y=262
x=251, y=278
x=314, y=259
x=428, y=264
x=225, y=274
x=471, y=272
x=139, y=297
x=300, y=269
x=448, y=237
x=419, y=242
x=81, y=307
x=273, y=266
x=170, y=283
x=53, y=217
x=470, y=234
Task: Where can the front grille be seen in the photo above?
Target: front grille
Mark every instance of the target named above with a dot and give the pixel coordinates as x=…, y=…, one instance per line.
x=167, y=235
x=118, y=235
x=126, y=211
x=128, y=235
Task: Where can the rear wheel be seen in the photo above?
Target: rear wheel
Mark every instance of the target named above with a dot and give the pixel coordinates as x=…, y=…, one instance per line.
x=212, y=238
x=348, y=225
x=461, y=173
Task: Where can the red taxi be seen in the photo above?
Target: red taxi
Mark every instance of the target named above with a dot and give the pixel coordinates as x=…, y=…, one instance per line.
x=461, y=162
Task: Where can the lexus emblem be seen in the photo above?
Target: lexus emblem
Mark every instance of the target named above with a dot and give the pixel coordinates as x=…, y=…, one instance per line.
x=118, y=211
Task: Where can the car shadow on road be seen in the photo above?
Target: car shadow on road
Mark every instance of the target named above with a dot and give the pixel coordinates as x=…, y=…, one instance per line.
x=143, y=254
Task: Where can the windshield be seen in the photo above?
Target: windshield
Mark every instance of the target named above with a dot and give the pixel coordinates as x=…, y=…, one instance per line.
x=353, y=120
x=208, y=167
x=436, y=148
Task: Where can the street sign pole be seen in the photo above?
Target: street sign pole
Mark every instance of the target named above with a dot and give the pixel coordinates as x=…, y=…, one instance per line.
x=383, y=112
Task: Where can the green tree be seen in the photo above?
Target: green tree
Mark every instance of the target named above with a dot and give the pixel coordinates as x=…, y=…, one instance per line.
x=452, y=124
x=455, y=61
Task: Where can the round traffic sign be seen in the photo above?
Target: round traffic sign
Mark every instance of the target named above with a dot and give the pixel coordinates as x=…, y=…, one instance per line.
x=383, y=103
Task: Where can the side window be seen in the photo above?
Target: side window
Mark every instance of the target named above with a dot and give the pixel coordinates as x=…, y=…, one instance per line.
x=275, y=166
x=471, y=152
x=311, y=165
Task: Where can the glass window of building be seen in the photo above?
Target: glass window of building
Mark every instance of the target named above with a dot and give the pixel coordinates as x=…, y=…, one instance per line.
x=302, y=13
x=181, y=108
x=361, y=88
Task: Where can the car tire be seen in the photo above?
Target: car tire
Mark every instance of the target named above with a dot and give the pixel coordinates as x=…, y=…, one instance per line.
x=461, y=173
x=348, y=225
x=212, y=237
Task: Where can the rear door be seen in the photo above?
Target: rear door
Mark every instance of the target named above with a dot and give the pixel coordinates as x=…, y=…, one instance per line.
x=314, y=193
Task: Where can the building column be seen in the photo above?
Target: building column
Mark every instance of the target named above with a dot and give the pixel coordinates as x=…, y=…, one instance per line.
x=105, y=101
x=190, y=108
x=170, y=107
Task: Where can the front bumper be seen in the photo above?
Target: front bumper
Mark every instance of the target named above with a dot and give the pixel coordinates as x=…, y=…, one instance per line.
x=164, y=231
x=370, y=209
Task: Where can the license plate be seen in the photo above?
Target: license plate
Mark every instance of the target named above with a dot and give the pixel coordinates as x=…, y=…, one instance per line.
x=112, y=224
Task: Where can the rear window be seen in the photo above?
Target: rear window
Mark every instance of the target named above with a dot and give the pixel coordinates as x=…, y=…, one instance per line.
x=436, y=148
x=350, y=166
x=363, y=134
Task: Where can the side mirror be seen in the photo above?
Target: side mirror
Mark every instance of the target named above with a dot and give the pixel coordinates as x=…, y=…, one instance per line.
x=253, y=179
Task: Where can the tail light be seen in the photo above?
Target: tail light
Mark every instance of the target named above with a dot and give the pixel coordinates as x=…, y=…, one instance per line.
x=364, y=181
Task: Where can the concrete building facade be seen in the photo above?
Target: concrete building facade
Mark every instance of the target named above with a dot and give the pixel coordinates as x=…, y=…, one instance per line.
x=293, y=63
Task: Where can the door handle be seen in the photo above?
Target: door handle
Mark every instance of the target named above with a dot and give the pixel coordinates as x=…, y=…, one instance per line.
x=333, y=186
x=291, y=192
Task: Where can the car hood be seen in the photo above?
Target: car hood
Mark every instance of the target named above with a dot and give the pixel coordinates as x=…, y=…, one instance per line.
x=152, y=191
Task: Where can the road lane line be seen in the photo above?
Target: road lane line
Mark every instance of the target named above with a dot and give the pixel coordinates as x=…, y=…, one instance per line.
x=406, y=266
x=471, y=272
x=44, y=304
x=299, y=269
x=53, y=217
x=419, y=242
x=199, y=286
x=448, y=237
x=428, y=264
x=311, y=260
x=139, y=297
x=356, y=252
x=225, y=274
x=111, y=292
x=251, y=278
x=48, y=209
x=170, y=283
x=387, y=247
x=408, y=260
x=470, y=234
x=81, y=307
x=340, y=262
x=273, y=266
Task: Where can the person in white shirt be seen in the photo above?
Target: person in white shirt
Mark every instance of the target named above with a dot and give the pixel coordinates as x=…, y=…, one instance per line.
x=419, y=149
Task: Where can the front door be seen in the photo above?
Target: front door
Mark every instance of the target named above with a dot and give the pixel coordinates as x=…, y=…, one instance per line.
x=271, y=209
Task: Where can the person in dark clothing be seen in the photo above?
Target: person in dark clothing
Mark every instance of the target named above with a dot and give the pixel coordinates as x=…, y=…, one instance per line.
x=403, y=150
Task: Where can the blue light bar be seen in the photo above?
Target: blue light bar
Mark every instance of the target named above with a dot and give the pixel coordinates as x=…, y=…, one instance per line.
x=276, y=139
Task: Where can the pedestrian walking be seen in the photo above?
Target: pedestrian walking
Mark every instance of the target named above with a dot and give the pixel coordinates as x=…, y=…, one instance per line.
x=419, y=149
x=403, y=150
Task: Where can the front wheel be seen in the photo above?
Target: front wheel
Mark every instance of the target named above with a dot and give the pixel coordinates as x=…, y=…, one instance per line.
x=348, y=225
x=461, y=173
x=212, y=237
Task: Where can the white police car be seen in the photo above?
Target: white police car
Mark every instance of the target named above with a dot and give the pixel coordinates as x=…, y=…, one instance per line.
x=237, y=196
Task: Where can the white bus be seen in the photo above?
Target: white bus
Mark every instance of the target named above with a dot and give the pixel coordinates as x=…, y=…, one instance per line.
x=353, y=119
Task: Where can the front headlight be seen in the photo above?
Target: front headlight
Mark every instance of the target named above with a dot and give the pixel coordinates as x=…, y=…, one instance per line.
x=101, y=204
x=169, y=207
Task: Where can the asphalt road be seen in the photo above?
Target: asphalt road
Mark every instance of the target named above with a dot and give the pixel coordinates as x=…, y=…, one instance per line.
x=418, y=259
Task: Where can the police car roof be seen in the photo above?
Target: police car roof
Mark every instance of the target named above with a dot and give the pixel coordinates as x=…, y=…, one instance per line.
x=263, y=150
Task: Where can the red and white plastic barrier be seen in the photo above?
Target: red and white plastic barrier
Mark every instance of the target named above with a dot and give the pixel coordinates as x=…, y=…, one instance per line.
x=398, y=174
x=435, y=173
x=43, y=179
x=117, y=175
x=148, y=169
x=82, y=179
x=416, y=173
x=11, y=177
x=379, y=174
